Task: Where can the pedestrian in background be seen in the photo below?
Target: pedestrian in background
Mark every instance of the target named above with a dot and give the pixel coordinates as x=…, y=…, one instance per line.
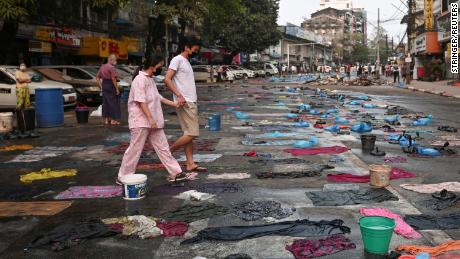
x=211, y=73
x=22, y=88
x=181, y=82
x=395, y=70
x=146, y=123
x=107, y=80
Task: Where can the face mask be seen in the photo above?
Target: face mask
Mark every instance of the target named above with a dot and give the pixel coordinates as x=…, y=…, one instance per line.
x=194, y=54
x=158, y=71
x=22, y=68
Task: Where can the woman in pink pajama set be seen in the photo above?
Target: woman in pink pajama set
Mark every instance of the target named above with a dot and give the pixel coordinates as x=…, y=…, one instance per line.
x=146, y=123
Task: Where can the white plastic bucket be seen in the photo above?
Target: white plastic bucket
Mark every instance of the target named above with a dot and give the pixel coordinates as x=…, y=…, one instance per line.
x=134, y=186
x=6, y=122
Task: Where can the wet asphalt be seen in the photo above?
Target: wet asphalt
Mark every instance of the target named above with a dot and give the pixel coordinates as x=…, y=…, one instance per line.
x=97, y=166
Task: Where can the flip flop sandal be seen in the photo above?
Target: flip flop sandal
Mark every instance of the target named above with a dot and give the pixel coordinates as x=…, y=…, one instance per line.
x=198, y=169
x=179, y=177
x=378, y=152
x=117, y=181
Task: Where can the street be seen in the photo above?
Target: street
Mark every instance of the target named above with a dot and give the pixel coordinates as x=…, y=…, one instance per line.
x=97, y=157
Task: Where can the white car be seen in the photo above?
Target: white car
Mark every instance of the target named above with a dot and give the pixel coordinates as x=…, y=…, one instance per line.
x=8, y=87
x=201, y=73
x=244, y=72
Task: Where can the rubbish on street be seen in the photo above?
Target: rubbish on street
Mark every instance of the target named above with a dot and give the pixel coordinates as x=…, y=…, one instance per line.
x=447, y=246
x=34, y=208
x=229, y=176
x=190, y=213
x=47, y=173
x=340, y=198
x=256, y=210
x=305, y=248
x=194, y=196
x=16, y=147
x=432, y=188
x=138, y=226
x=395, y=173
x=435, y=221
x=317, y=151
x=90, y=192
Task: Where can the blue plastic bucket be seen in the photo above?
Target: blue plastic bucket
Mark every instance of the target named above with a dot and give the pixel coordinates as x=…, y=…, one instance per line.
x=49, y=107
x=214, y=122
x=134, y=186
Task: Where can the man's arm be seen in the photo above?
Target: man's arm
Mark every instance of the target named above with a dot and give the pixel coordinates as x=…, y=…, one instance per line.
x=170, y=84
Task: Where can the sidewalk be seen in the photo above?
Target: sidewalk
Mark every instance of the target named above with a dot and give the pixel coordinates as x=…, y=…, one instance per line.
x=439, y=88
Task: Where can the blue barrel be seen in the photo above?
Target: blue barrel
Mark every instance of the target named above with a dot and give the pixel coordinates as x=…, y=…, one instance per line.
x=214, y=122
x=49, y=107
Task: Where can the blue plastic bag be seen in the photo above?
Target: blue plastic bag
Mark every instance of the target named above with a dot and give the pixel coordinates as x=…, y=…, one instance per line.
x=404, y=142
x=333, y=128
x=339, y=120
x=291, y=90
x=275, y=134
x=363, y=97
x=242, y=115
x=392, y=119
x=355, y=102
x=291, y=115
x=231, y=109
x=313, y=112
x=428, y=151
x=312, y=141
x=423, y=121
x=332, y=111
x=304, y=107
x=325, y=116
x=280, y=104
x=369, y=105
x=361, y=128
x=302, y=124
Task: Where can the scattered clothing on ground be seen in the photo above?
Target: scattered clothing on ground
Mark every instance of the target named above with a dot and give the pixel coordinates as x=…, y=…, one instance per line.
x=172, y=228
x=40, y=153
x=16, y=148
x=238, y=256
x=221, y=187
x=251, y=142
x=340, y=198
x=396, y=173
x=190, y=213
x=315, y=170
x=194, y=196
x=229, y=176
x=32, y=208
x=89, y=192
x=432, y=188
x=47, y=173
x=305, y=248
x=436, y=221
x=402, y=228
x=255, y=210
x=138, y=226
x=395, y=159
x=72, y=234
x=317, y=150
x=442, y=200
x=433, y=251
x=201, y=158
x=298, y=228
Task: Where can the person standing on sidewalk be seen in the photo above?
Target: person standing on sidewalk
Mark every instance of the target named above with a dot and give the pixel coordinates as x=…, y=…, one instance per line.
x=395, y=70
x=181, y=81
x=146, y=123
x=107, y=80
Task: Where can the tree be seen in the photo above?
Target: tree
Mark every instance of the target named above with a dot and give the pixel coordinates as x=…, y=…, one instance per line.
x=360, y=53
x=241, y=25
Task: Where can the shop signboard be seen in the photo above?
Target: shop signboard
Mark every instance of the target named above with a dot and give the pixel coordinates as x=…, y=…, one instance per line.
x=61, y=36
x=420, y=43
x=40, y=46
x=109, y=46
x=428, y=12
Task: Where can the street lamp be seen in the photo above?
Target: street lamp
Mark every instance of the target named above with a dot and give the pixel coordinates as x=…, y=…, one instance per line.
x=300, y=44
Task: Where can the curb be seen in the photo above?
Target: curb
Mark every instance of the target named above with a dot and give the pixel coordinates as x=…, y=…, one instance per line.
x=414, y=89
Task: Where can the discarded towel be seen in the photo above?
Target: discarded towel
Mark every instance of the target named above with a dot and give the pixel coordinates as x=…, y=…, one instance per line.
x=194, y=196
x=250, y=142
x=402, y=228
x=315, y=170
x=255, y=210
x=298, y=228
x=71, y=234
x=172, y=228
x=229, y=176
x=34, y=208
x=432, y=188
x=40, y=153
x=438, y=221
x=305, y=248
x=395, y=159
x=442, y=200
x=238, y=256
x=318, y=150
x=223, y=187
x=138, y=225
x=202, y=158
x=46, y=173
x=16, y=147
x=434, y=251
x=190, y=213
x=362, y=196
x=396, y=173
x=89, y=192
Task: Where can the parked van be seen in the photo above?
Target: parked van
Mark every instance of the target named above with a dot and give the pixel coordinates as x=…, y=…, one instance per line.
x=270, y=69
x=8, y=87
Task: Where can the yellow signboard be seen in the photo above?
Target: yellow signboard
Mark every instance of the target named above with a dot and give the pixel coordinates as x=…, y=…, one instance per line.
x=132, y=44
x=103, y=47
x=428, y=15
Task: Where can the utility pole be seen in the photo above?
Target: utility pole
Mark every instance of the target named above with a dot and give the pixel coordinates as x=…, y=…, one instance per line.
x=410, y=23
x=378, y=39
x=386, y=44
x=392, y=46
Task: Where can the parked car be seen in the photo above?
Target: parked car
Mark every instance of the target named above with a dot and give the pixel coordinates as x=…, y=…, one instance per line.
x=258, y=70
x=201, y=73
x=270, y=69
x=242, y=72
x=124, y=78
x=8, y=87
x=88, y=92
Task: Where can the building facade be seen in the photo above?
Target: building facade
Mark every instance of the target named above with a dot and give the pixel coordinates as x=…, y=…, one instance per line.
x=336, y=4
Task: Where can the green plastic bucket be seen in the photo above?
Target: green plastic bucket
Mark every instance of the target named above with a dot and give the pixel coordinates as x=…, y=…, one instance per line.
x=376, y=233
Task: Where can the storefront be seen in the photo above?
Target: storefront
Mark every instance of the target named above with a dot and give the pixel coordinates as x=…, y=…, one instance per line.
x=94, y=50
x=429, y=64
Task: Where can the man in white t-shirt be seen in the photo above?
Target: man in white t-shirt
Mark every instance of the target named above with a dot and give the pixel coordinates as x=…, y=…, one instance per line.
x=181, y=81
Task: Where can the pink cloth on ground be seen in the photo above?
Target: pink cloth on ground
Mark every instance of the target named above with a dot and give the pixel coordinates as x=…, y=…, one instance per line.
x=317, y=150
x=396, y=173
x=87, y=192
x=402, y=228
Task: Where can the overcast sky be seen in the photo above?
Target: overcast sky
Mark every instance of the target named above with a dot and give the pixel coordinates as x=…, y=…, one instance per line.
x=294, y=11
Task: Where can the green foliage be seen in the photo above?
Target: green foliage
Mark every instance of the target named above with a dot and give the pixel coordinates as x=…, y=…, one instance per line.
x=191, y=12
x=109, y=3
x=360, y=53
x=14, y=10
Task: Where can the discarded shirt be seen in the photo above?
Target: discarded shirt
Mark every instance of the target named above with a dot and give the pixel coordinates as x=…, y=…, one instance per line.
x=255, y=210
x=72, y=234
x=315, y=170
x=16, y=147
x=317, y=151
x=431, y=188
x=395, y=159
x=238, y=256
x=229, y=176
x=437, y=221
x=305, y=248
x=89, y=192
x=298, y=228
x=441, y=200
x=221, y=187
x=190, y=213
x=362, y=196
x=138, y=225
x=202, y=158
x=40, y=153
x=432, y=250
x=194, y=196
x=32, y=208
x=402, y=228
x=172, y=228
x=250, y=142
x=46, y=173
x=396, y=173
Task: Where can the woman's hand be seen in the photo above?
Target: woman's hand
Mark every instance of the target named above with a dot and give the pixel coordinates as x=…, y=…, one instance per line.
x=153, y=124
x=117, y=90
